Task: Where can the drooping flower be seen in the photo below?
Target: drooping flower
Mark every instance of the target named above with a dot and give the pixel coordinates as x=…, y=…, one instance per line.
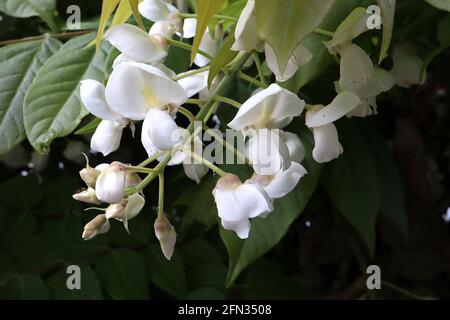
x=96, y=226
x=108, y=134
x=237, y=202
x=111, y=183
x=127, y=209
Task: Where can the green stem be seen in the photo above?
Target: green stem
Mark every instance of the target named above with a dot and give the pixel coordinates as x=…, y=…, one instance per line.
x=251, y=80
x=259, y=67
x=223, y=142
x=229, y=101
x=324, y=32
x=140, y=169
x=401, y=290
x=161, y=195
x=186, y=113
x=205, y=162
x=187, y=47
x=204, y=114
x=151, y=159
x=190, y=73
x=198, y=102
x=217, y=16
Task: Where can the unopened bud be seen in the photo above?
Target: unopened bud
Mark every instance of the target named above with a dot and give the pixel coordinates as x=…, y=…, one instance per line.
x=89, y=174
x=87, y=195
x=96, y=226
x=110, y=185
x=166, y=235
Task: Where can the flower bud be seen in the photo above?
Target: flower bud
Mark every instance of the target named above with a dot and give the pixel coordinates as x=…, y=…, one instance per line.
x=87, y=195
x=132, y=179
x=96, y=226
x=166, y=235
x=89, y=174
x=110, y=183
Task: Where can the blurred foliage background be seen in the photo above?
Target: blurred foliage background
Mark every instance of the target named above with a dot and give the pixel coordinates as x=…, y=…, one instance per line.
x=383, y=202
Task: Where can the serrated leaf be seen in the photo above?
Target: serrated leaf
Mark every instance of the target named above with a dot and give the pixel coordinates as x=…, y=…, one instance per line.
x=206, y=9
x=19, y=64
x=352, y=184
x=30, y=8
x=266, y=233
x=283, y=24
x=388, y=14
x=224, y=57
x=122, y=275
x=24, y=287
x=52, y=106
x=440, y=4
x=108, y=7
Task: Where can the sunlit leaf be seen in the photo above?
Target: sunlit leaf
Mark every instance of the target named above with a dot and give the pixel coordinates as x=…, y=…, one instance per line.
x=224, y=57
x=388, y=14
x=108, y=7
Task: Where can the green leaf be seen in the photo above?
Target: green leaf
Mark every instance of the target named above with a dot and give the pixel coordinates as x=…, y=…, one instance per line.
x=283, y=24
x=19, y=64
x=89, y=128
x=122, y=275
x=388, y=13
x=443, y=31
x=52, y=106
x=392, y=204
x=224, y=57
x=108, y=7
x=31, y=8
x=352, y=184
x=266, y=233
x=90, y=286
x=167, y=275
x=24, y=287
x=206, y=9
x=440, y=4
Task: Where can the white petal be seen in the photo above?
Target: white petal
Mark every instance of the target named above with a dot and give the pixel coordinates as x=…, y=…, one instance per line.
x=156, y=10
x=107, y=136
x=246, y=201
x=134, y=88
x=407, y=67
x=209, y=46
x=356, y=68
x=195, y=171
x=162, y=129
x=273, y=107
x=195, y=83
x=285, y=181
x=327, y=146
x=135, y=204
x=294, y=145
x=246, y=32
x=110, y=184
x=301, y=56
x=242, y=228
x=165, y=29
x=92, y=95
x=267, y=152
x=344, y=102
x=189, y=28
x=135, y=44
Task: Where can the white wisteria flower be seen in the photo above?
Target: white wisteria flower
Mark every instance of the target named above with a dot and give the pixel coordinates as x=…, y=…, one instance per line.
x=237, y=202
x=108, y=134
x=259, y=117
x=111, y=183
x=320, y=119
x=248, y=39
x=359, y=75
x=407, y=69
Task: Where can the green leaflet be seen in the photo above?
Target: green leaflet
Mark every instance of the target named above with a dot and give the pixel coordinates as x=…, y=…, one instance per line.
x=30, y=8
x=52, y=106
x=19, y=64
